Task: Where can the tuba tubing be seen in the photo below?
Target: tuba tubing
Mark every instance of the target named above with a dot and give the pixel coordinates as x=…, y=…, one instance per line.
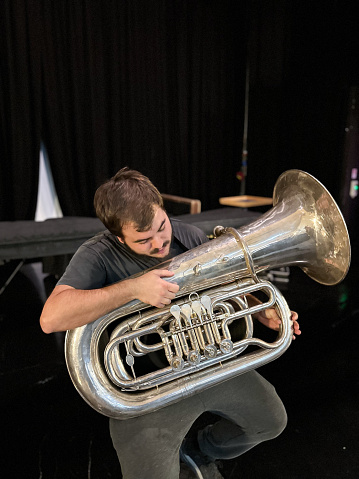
x=304, y=228
x=93, y=384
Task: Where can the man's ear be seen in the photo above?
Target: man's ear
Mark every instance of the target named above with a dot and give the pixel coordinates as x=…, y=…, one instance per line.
x=120, y=240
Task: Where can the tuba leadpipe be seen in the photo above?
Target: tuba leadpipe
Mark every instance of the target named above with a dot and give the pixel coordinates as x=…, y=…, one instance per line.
x=198, y=341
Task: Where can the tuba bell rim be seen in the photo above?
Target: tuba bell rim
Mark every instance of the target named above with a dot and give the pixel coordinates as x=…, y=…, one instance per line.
x=332, y=265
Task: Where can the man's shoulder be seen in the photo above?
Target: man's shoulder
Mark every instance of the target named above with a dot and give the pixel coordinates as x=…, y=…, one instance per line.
x=178, y=224
x=100, y=261
x=190, y=235
x=101, y=240
x=103, y=245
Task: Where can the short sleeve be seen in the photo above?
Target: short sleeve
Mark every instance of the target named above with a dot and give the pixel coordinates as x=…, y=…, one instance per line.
x=85, y=270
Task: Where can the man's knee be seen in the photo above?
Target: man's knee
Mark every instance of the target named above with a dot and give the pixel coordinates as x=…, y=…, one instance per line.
x=276, y=423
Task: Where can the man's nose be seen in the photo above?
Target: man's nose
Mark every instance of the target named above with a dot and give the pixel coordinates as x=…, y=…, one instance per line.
x=157, y=242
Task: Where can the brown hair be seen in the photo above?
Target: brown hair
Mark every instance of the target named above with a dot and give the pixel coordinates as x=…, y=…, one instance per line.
x=128, y=197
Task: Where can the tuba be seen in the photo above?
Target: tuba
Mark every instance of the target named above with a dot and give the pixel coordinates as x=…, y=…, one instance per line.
x=137, y=358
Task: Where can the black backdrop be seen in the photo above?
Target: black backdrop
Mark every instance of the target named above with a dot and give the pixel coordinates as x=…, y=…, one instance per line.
x=158, y=85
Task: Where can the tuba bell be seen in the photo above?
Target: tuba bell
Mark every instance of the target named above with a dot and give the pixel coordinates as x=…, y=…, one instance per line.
x=138, y=359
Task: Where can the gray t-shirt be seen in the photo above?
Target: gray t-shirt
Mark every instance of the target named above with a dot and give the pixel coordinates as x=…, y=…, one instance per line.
x=104, y=260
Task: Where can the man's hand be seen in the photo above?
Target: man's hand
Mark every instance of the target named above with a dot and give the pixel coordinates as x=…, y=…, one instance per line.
x=270, y=318
x=150, y=288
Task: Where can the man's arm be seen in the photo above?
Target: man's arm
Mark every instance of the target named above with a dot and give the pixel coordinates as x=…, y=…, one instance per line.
x=68, y=308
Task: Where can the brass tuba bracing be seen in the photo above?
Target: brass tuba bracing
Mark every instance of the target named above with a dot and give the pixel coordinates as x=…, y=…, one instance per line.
x=138, y=359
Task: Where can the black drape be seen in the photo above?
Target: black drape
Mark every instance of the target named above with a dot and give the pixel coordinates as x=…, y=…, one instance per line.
x=304, y=59
x=154, y=85
x=20, y=107
x=159, y=86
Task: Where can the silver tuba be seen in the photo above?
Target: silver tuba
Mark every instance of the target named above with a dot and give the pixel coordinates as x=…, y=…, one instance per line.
x=138, y=359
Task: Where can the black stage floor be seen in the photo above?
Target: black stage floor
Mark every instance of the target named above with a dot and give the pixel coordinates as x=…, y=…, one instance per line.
x=49, y=432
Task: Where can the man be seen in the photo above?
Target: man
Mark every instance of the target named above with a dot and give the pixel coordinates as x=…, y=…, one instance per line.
x=98, y=280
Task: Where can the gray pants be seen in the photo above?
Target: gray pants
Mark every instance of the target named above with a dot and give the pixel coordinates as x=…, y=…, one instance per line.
x=250, y=410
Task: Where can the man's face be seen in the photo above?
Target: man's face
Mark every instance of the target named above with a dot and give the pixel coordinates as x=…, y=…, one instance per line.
x=155, y=242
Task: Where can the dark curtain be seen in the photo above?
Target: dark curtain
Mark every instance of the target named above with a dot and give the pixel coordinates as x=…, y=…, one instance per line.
x=154, y=85
x=304, y=59
x=20, y=109
x=159, y=86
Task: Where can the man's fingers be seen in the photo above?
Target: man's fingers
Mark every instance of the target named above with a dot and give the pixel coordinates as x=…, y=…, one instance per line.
x=163, y=273
x=170, y=295
x=162, y=303
x=173, y=288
